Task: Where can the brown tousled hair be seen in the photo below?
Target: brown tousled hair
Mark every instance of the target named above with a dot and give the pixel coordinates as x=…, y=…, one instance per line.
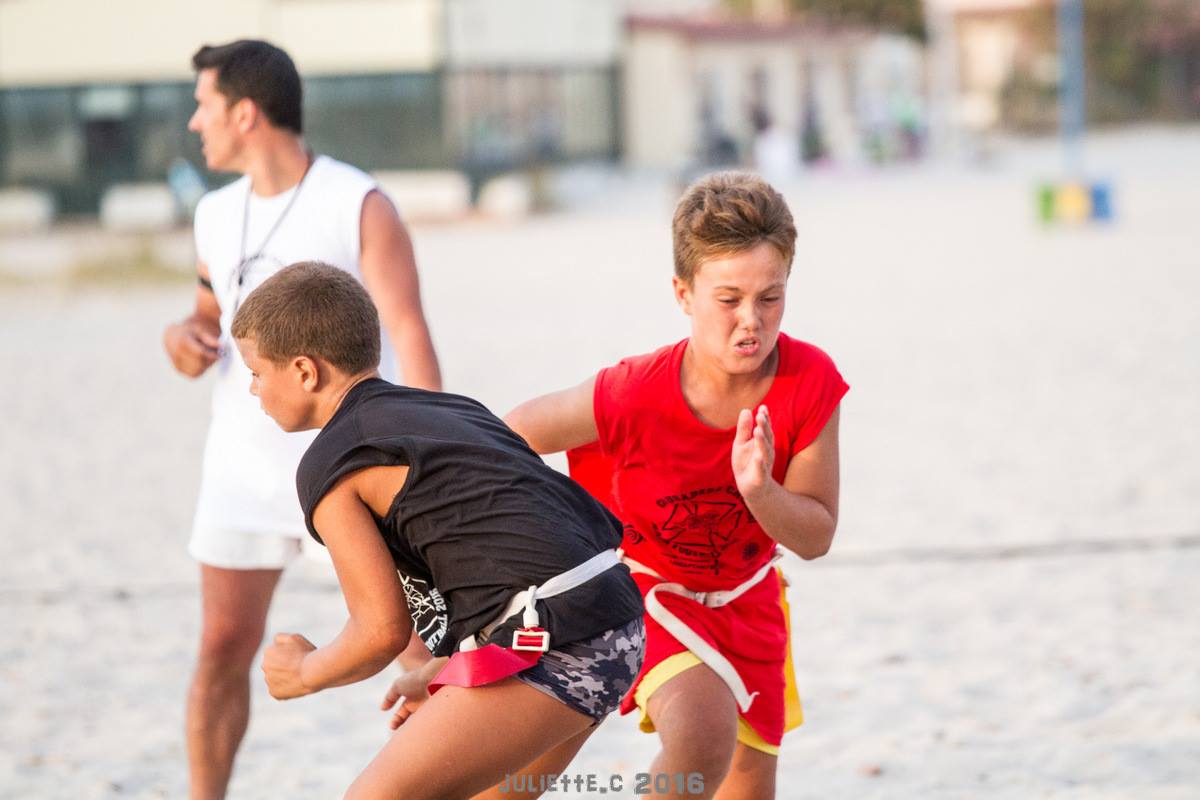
x=312, y=309
x=726, y=213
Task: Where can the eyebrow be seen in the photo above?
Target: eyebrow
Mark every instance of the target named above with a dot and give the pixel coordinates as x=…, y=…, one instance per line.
x=772, y=288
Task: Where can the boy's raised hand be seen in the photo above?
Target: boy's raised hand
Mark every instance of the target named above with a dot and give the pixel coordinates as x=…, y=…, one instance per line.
x=281, y=665
x=753, y=453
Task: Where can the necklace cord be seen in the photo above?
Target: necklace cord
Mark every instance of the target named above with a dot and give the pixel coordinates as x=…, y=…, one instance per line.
x=243, y=261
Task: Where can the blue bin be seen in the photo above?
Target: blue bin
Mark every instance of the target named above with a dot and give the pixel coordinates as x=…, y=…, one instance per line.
x=1101, y=202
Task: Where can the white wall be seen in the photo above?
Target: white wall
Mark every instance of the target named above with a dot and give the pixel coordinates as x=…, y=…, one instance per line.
x=661, y=121
x=532, y=32
x=339, y=36
x=82, y=41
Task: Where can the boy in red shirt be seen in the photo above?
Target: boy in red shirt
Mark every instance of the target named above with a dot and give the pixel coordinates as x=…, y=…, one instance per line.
x=713, y=451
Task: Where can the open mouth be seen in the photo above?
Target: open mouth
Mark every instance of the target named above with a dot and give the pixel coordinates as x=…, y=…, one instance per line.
x=746, y=347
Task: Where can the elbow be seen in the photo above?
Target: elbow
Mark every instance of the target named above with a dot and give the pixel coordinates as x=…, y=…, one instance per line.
x=813, y=552
x=388, y=641
x=818, y=545
x=395, y=639
x=518, y=422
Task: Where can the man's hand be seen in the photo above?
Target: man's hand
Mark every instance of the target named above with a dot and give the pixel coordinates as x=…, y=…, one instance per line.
x=192, y=345
x=753, y=451
x=281, y=665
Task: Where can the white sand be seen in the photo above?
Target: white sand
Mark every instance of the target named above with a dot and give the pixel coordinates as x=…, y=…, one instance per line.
x=1009, y=609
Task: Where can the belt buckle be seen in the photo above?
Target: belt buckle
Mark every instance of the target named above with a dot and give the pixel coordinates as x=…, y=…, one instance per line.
x=535, y=640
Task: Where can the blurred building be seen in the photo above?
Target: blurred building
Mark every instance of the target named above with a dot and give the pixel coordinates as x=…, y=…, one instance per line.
x=989, y=40
x=1141, y=60
x=706, y=89
x=96, y=94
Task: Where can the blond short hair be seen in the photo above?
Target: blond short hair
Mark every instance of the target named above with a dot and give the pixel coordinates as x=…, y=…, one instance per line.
x=726, y=213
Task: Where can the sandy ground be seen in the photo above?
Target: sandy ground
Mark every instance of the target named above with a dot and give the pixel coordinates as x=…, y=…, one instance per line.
x=1005, y=612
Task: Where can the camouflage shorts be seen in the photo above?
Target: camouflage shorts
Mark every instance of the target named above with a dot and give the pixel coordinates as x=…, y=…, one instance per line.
x=592, y=675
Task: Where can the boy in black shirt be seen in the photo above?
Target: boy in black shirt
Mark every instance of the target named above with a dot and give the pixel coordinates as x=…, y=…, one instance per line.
x=544, y=631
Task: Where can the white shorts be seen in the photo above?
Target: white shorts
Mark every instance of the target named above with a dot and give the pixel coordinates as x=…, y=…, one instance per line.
x=240, y=549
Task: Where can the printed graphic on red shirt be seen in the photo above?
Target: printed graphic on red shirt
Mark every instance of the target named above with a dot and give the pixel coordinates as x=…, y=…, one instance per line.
x=703, y=532
x=697, y=532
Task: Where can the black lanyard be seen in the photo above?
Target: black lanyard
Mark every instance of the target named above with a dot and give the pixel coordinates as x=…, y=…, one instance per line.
x=244, y=262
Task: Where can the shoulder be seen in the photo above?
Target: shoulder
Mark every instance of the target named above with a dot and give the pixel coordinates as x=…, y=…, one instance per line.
x=326, y=457
x=343, y=432
x=339, y=175
x=320, y=458
x=219, y=202
x=801, y=357
x=633, y=393
x=634, y=374
x=812, y=386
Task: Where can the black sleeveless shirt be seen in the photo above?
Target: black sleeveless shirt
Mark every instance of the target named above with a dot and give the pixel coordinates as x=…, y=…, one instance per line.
x=480, y=517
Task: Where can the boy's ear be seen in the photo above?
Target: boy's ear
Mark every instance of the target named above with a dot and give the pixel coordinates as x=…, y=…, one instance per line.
x=307, y=372
x=683, y=294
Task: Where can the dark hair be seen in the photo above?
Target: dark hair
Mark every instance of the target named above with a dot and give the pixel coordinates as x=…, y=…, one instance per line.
x=259, y=71
x=312, y=309
x=726, y=213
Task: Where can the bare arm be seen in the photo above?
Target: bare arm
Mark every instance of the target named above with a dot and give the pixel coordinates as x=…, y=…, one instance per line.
x=192, y=343
x=414, y=656
x=389, y=269
x=557, y=421
x=801, y=513
x=379, y=626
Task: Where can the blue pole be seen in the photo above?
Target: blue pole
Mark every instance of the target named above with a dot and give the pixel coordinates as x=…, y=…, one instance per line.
x=1071, y=85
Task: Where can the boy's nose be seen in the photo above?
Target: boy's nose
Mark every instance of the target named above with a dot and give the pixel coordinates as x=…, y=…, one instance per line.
x=748, y=317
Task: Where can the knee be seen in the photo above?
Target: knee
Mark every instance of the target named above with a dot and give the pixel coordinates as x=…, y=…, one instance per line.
x=710, y=757
x=228, y=646
x=751, y=775
x=704, y=745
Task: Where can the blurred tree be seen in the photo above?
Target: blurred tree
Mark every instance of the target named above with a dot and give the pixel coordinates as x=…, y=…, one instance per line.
x=1143, y=58
x=898, y=16
x=1143, y=62
x=1172, y=32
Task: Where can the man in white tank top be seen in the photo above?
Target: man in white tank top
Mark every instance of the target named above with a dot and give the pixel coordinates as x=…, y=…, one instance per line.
x=289, y=206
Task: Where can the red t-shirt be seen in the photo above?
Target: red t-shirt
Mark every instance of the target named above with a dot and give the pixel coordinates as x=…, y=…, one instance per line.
x=668, y=475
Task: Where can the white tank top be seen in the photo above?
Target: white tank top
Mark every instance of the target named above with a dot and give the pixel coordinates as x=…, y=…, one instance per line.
x=248, y=479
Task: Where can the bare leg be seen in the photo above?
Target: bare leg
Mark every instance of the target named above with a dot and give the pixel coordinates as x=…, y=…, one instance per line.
x=463, y=741
x=234, y=606
x=696, y=718
x=553, y=762
x=752, y=776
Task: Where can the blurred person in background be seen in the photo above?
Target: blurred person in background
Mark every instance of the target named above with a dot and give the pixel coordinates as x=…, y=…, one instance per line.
x=289, y=205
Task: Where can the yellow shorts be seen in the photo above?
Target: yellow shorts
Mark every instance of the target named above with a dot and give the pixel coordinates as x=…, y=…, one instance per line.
x=670, y=667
